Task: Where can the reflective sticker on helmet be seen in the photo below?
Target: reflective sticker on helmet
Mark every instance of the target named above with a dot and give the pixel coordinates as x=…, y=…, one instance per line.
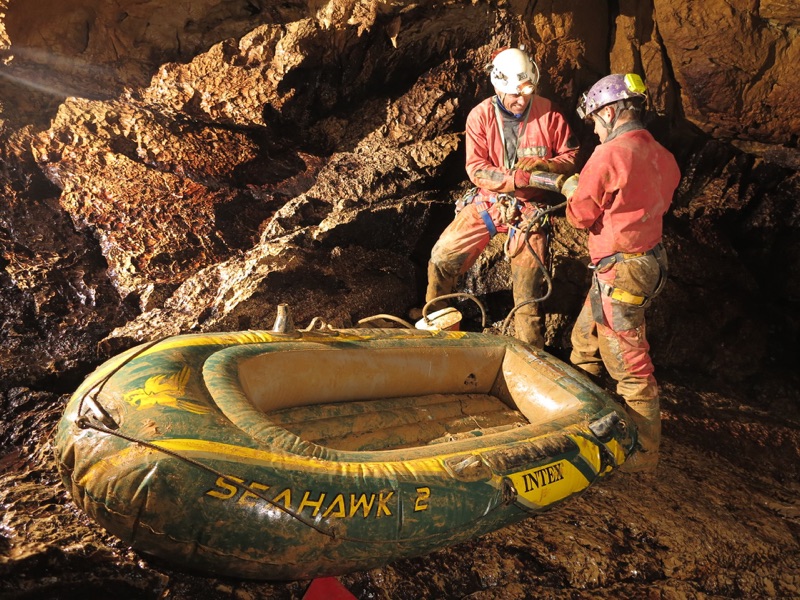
x=634, y=83
x=581, y=108
x=499, y=75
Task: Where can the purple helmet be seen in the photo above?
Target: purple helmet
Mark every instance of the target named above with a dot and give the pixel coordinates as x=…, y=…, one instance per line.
x=609, y=89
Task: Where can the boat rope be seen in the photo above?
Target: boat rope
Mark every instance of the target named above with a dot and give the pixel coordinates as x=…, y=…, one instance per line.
x=509, y=492
x=100, y=412
x=378, y=317
x=321, y=327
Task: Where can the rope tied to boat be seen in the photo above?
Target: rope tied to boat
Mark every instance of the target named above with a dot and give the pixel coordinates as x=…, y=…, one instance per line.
x=101, y=414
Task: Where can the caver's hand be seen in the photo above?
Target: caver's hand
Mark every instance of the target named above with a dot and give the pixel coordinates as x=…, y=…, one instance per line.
x=569, y=187
x=532, y=163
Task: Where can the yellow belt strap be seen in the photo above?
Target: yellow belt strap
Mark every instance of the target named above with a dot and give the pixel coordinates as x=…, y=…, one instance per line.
x=627, y=297
x=621, y=295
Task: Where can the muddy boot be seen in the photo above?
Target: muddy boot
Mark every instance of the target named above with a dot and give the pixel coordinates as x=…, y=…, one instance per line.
x=529, y=328
x=646, y=414
x=439, y=284
x=526, y=283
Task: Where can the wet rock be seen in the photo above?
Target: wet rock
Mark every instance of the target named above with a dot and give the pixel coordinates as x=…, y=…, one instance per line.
x=159, y=197
x=55, y=294
x=748, y=58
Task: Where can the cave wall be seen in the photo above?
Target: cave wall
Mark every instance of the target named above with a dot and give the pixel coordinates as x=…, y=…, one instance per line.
x=186, y=166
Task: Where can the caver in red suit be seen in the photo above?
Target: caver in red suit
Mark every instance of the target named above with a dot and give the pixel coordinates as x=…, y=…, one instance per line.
x=507, y=136
x=622, y=194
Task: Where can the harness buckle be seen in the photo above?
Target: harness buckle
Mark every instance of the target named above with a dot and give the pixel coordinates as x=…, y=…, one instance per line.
x=466, y=199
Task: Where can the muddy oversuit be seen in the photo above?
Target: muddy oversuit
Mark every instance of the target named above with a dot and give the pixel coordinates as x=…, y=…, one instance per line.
x=623, y=193
x=461, y=244
x=496, y=140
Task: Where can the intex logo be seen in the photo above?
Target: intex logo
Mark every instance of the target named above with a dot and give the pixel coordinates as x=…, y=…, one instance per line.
x=542, y=477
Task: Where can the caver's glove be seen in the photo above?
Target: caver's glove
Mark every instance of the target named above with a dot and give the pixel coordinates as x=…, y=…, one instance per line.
x=532, y=163
x=569, y=186
x=538, y=179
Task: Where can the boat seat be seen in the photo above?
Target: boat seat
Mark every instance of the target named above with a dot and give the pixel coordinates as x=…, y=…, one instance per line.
x=291, y=378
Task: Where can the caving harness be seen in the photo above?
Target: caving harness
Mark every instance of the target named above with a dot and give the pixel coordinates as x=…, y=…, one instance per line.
x=509, y=207
x=518, y=224
x=511, y=215
x=601, y=288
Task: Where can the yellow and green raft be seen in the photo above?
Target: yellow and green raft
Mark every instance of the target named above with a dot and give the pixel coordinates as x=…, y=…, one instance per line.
x=292, y=456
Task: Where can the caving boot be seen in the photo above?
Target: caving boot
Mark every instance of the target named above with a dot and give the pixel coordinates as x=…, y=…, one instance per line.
x=526, y=284
x=529, y=328
x=646, y=415
x=439, y=284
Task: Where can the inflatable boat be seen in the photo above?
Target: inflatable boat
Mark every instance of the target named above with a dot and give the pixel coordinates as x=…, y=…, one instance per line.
x=288, y=456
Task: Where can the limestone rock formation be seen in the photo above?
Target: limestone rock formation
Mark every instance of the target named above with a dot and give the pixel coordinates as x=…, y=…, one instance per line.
x=740, y=82
x=198, y=163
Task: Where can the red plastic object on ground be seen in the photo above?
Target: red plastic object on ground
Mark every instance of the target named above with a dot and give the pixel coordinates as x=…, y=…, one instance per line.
x=327, y=588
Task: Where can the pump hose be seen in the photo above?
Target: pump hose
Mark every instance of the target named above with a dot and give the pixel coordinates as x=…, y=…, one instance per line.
x=425, y=310
x=548, y=279
x=386, y=317
x=429, y=303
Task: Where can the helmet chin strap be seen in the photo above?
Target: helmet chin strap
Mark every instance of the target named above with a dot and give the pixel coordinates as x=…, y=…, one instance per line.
x=502, y=97
x=609, y=126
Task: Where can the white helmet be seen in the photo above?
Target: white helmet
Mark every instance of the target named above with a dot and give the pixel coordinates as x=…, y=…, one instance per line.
x=513, y=72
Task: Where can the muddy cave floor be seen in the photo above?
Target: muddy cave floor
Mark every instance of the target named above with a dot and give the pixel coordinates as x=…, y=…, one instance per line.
x=720, y=519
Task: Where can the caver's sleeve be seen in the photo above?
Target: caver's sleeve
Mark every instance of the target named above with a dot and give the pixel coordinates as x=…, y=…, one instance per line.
x=565, y=145
x=483, y=144
x=593, y=193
